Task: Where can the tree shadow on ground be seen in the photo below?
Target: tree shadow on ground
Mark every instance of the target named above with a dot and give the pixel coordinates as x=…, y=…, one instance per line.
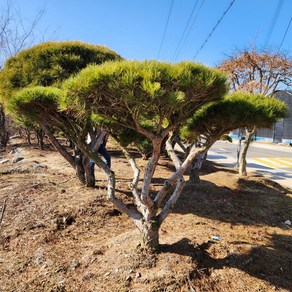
x=278, y=175
x=211, y=167
x=258, y=201
x=270, y=263
x=114, y=152
x=258, y=166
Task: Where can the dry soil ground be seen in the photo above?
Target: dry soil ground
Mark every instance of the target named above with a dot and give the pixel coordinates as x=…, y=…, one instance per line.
x=59, y=236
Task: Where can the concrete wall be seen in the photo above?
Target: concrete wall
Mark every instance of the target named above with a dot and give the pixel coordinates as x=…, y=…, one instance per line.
x=287, y=131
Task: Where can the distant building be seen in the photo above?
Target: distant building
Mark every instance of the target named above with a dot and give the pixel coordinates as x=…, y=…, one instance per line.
x=281, y=132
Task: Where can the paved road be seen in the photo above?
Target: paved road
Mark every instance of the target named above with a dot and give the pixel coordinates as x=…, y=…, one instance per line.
x=274, y=161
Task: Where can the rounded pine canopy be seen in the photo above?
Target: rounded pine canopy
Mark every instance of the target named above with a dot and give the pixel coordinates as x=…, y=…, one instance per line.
x=50, y=63
x=147, y=94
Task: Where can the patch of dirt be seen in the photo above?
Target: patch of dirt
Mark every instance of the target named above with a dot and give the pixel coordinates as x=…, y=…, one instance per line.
x=225, y=234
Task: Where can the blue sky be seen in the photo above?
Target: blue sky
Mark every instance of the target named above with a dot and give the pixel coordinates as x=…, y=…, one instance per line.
x=135, y=28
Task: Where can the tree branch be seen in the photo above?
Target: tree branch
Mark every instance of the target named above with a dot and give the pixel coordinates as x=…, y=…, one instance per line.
x=136, y=176
x=178, y=174
x=57, y=145
x=149, y=171
x=168, y=207
x=132, y=213
x=172, y=154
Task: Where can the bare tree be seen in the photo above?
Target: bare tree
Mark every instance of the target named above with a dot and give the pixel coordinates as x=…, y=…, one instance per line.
x=255, y=71
x=15, y=35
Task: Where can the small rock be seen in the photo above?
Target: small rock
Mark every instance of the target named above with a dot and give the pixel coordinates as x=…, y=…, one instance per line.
x=74, y=264
x=39, y=256
x=13, y=151
x=287, y=222
x=61, y=283
x=86, y=259
x=38, y=166
x=107, y=273
x=129, y=278
x=138, y=275
x=16, y=159
x=165, y=271
x=216, y=237
x=87, y=276
x=4, y=161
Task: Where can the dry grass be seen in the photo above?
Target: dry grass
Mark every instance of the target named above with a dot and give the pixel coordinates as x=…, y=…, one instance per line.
x=59, y=236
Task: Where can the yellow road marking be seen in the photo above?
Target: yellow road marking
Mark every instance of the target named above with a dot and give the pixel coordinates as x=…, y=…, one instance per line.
x=275, y=162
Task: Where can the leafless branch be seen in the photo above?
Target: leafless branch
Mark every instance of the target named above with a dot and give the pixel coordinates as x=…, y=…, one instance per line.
x=15, y=33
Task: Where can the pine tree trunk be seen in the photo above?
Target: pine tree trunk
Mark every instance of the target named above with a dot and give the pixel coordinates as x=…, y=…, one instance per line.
x=27, y=134
x=196, y=167
x=89, y=175
x=4, y=137
x=40, y=138
x=150, y=234
x=242, y=158
x=194, y=175
x=75, y=161
x=79, y=167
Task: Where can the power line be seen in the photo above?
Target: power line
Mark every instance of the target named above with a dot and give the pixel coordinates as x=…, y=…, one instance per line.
x=214, y=28
x=274, y=21
x=285, y=34
x=165, y=29
x=189, y=30
x=183, y=34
